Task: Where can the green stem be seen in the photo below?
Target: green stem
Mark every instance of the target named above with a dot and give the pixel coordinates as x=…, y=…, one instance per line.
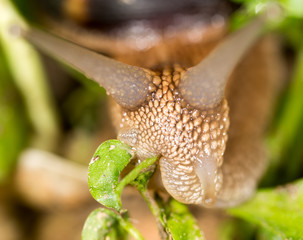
x=156, y=211
x=131, y=229
x=134, y=173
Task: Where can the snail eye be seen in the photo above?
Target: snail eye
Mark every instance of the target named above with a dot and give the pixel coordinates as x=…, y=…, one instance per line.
x=113, y=12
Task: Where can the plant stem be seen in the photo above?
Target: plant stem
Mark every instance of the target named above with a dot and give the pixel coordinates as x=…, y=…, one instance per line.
x=156, y=211
x=134, y=173
x=131, y=229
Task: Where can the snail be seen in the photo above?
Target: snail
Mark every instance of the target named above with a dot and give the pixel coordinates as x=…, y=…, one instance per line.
x=180, y=112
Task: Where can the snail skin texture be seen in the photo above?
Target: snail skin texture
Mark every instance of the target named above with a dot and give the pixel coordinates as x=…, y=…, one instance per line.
x=179, y=110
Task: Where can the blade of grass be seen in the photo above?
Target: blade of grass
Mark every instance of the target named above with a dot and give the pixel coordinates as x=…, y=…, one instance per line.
x=13, y=124
x=27, y=71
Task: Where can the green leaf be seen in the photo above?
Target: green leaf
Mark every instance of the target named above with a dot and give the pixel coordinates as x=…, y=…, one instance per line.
x=102, y=224
x=278, y=210
x=105, y=167
x=180, y=223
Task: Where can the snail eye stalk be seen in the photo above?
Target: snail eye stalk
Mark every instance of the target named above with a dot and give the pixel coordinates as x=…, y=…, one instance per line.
x=203, y=86
x=127, y=84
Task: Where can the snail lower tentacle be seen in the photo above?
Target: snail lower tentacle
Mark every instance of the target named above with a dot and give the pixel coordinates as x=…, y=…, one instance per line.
x=207, y=172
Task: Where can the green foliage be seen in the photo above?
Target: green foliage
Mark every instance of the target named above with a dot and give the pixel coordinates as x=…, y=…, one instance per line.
x=238, y=229
x=264, y=234
x=28, y=76
x=13, y=123
x=101, y=224
x=13, y=127
x=180, y=223
x=278, y=210
x=105, y=167
x=141, y=181
x=293, y=8
x=292, y=12
x=285, y=139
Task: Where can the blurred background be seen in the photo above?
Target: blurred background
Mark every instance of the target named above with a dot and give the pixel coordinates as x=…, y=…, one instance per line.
x=52, y=119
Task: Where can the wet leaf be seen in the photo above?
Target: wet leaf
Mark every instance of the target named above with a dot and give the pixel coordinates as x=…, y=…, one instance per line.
x=278, y=210
x=105, y=167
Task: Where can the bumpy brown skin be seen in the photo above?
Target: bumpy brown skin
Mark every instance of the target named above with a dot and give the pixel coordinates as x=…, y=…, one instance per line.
x=250, y=94
x=184, y=137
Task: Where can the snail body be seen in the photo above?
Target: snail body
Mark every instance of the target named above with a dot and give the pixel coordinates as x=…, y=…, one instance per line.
x=183, y=136
x=175, y=104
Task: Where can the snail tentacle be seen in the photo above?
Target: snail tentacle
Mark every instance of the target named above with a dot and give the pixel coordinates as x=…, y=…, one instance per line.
x=128, y=85
x=203, y=85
